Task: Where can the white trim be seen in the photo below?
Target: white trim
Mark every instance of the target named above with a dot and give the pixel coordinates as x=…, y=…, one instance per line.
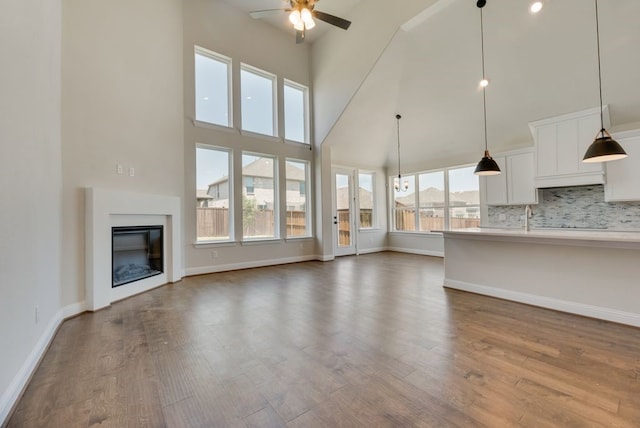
x=325, y=258
x=199, y=50
x=591, y=311
x=13, y=393
x=372, y=250
x=260, y=241
x=214, y=126
x=416, y=251
x=201, y=270
x=260, y=136
x=212, y=244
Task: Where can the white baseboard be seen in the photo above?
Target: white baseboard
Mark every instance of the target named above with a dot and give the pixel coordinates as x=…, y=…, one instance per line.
x=325, y=258
x=11, y=396
x=416, y=251
x=372, y=250
x=591, y=311
x=201, y=270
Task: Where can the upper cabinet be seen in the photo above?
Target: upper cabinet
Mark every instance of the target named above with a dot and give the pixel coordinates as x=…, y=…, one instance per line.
x=623, y=175
x=560, y=143
x=515, y=185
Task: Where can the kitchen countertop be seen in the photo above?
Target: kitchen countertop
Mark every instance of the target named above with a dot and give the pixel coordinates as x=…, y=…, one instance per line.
x=578, y=237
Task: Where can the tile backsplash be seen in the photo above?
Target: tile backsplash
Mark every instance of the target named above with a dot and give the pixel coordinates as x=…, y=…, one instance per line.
x=581, y=207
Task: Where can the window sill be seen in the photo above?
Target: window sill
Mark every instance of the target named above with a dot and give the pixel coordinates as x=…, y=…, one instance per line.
x=257, y=135
x=210, y=244
x=297, y=143
x=207, y=125
x=400, y=232
x=261, y=241
x=370, y=230
x=299, y=238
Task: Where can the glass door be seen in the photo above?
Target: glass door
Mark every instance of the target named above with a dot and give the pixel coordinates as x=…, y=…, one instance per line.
x=344, y=235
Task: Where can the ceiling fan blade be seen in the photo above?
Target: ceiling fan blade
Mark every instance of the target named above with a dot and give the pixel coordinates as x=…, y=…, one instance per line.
x=300, y=35
x=265, y=13
x=331, y=19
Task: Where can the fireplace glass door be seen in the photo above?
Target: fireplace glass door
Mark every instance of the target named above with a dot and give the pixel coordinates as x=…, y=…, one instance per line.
x=136, y=253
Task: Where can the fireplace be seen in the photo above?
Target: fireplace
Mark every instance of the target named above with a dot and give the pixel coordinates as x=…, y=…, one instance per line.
x=137, y=253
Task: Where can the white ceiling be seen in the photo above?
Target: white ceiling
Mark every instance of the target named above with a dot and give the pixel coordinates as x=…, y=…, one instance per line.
x=340, y=8
x=539, y=66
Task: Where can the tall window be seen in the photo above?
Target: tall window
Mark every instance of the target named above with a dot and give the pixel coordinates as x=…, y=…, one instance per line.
x=213, y=194
x=259, y=206
x=404, y=206
x=446, y=199
x=431, y=196
x=258, y=100
x=464, y=198
x=295, y=112
x=213, y=89
x=366, y=199
x=298, y=212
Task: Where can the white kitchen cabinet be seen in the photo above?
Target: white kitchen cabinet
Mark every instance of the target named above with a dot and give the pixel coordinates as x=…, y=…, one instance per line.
x=560, y=143
x=515, y=185
x=623, y=176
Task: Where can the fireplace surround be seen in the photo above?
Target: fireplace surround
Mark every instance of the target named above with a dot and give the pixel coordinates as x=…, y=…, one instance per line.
x=106, y=209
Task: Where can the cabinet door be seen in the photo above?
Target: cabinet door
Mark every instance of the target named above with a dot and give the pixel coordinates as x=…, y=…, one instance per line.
x=546, y=143
x=623, y=175
x=495, y=186
x=520, y=179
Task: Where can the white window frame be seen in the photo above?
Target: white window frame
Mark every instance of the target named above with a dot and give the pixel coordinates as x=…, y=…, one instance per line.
x=307, y=196
x=276, y=197
x=447, y=206
x=374, y=210
x=231, y=197
x=199, y=50
x=274, y=97
x=305, y=91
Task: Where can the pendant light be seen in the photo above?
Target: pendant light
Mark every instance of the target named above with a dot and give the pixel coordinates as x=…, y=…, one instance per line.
x=396, y=182
x=486, y=166
x=604, y=148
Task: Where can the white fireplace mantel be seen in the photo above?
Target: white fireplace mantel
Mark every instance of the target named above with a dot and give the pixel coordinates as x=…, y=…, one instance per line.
x=105, y=209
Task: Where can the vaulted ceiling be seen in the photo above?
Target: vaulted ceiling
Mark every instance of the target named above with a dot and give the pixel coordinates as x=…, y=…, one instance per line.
x=539, y=66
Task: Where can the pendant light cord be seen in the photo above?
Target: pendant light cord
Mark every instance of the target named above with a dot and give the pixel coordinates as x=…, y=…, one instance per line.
x=398, y=117
x=484, y=88
x=599, y=71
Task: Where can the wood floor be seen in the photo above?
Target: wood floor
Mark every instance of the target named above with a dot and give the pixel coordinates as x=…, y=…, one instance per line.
x=368, y=341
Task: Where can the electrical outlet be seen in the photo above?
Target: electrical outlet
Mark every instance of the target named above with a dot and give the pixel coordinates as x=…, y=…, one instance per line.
x=132, y=172
x=119, y=169
x=37, y=314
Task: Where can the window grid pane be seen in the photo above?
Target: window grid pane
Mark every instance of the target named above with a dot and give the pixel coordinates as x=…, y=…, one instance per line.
x=365, y=200
x=431, y=197
x=212, y=89
x=464, y=198
x=259, y=202
x=258, y=112
x=295, y=113
x=213, y=209
x=297, y=173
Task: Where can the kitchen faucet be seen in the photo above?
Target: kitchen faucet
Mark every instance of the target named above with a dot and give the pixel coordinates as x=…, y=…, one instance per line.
x=528, y=213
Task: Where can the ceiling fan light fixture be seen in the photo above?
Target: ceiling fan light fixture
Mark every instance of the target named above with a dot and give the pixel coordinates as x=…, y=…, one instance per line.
x=307, y=18
x=295, y=17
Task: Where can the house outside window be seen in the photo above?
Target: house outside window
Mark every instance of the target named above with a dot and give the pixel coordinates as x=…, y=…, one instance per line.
x=296, y=112
x=446, y=199
x=259, y=203
x=298, y=204
x=214, y=219
x=258, y=94
x=212, y=87
x=366, y=202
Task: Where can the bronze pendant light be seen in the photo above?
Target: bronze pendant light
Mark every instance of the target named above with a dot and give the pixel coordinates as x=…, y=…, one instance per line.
x=486, y=166
x=604, y=148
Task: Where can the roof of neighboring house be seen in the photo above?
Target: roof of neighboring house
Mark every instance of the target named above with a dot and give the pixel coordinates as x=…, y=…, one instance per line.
x=342, y=198
x=202, y=194
x=436, y=196
x=263, y=167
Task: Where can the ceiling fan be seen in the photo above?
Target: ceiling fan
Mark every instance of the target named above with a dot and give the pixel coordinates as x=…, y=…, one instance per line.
x=301, y=14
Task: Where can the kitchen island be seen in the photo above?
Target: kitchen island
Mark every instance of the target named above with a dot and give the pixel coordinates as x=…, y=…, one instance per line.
x=586, y=272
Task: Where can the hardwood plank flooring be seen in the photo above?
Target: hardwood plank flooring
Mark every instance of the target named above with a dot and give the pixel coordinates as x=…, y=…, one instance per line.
x=367, y=341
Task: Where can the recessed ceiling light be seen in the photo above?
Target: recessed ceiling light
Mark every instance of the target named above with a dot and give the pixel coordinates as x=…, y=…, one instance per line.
x=535, y=7
x=484, y=83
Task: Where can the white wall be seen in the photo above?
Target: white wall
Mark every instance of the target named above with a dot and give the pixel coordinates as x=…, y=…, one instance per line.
x=217, y=26
x=121, y=103
x=31, y=184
